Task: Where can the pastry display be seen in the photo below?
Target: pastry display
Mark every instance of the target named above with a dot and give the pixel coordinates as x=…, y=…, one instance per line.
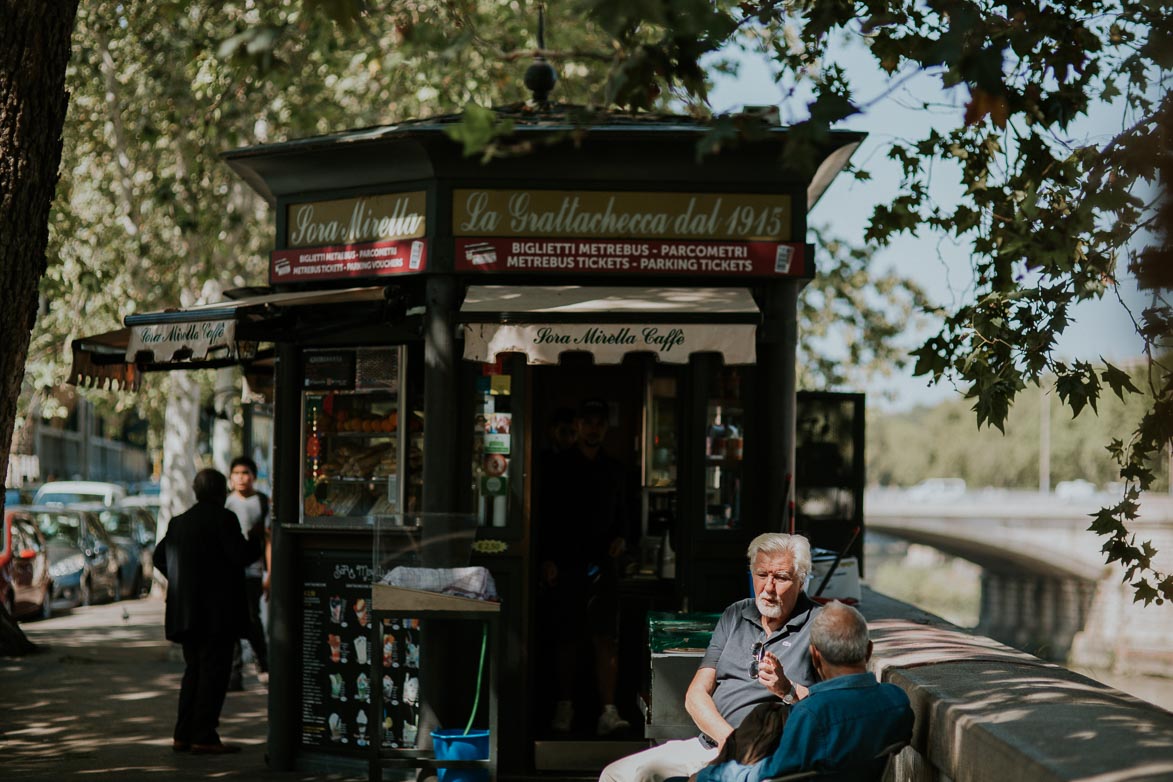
x=352, y=453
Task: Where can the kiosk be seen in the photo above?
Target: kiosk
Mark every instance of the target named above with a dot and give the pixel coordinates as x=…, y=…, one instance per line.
x=428, y=314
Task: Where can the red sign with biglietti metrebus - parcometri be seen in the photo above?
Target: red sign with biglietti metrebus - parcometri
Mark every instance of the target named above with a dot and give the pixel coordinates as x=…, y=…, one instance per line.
x=747, y=259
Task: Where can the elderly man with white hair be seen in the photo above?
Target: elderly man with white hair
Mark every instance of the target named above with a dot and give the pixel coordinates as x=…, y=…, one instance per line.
x=759, y=653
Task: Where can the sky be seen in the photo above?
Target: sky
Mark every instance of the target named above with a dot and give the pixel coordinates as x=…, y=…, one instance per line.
x=1101, y=328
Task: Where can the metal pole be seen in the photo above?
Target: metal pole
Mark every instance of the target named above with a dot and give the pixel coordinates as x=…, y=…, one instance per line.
x=776, y=356
x=284, y=634
x=1044, y=441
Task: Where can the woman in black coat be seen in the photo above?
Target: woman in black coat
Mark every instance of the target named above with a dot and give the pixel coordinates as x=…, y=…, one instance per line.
x=203, y=556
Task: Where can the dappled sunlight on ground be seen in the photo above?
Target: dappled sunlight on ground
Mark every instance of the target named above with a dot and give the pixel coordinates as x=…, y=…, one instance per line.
x=100, y=701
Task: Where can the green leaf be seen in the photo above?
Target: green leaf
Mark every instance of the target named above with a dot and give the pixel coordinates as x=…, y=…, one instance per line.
x=1118, y=380
x=1105, y=523
x=1144, y=592
x=477, y=128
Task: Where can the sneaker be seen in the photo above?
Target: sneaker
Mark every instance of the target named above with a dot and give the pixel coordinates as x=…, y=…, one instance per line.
x=563, y=717
x=610, y=721
x=263, y=677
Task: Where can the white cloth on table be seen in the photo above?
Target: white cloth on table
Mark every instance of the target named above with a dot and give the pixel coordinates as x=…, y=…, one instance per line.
x=474, y=582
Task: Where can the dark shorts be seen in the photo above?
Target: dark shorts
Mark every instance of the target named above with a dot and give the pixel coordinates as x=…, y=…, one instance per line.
x=594, y=598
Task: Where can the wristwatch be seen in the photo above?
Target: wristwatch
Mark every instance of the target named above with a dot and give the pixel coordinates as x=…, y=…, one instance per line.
x=790, y=698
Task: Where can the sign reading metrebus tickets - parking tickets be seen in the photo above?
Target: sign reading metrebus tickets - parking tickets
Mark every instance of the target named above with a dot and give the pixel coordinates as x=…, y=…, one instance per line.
x=348, y=238
x=658, y=234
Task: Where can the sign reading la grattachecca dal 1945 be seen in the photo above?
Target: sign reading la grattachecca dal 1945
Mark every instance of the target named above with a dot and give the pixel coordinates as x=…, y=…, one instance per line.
x=657, y=234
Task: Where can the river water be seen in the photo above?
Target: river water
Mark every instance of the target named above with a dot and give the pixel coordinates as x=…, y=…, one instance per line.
x=951, y=588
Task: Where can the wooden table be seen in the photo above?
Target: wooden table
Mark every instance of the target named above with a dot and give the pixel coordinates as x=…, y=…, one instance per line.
x=399, y=601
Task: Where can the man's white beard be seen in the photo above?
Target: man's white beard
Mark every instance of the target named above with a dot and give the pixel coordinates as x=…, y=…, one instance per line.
x=768, y=610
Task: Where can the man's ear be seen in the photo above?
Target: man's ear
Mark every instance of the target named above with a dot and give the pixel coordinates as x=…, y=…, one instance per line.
x=869, y=654
x=816, y=661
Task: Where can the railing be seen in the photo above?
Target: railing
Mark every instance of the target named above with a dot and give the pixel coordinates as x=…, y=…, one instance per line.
x=985, y=711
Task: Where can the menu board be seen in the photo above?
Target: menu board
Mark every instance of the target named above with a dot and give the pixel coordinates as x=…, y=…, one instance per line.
x=339, y=640
x=400, y=682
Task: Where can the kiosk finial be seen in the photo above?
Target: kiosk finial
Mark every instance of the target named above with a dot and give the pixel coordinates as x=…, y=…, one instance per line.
x=540, y=76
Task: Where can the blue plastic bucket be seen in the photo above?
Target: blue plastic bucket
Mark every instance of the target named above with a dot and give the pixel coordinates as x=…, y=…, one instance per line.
x=455, y=744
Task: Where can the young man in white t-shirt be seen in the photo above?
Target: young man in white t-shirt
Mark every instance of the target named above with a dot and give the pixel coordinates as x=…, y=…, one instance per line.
x=251, y=508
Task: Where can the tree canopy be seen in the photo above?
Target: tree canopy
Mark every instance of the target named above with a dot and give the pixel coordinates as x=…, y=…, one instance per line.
x=144, y=210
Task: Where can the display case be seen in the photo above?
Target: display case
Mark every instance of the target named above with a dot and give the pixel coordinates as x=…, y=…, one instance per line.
x=725, y=425
x=661, y=425
x=660, y=445
x=362, y=437
x=829, y=471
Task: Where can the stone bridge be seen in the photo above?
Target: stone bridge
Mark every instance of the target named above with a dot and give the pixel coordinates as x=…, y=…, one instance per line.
x=1045, y=586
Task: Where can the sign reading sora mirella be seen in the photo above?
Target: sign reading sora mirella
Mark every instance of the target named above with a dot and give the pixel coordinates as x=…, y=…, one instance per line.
x=668, y=234
x=368, y=236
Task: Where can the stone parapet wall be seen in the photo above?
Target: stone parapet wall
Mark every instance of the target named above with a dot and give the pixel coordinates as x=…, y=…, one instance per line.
x=985, y=711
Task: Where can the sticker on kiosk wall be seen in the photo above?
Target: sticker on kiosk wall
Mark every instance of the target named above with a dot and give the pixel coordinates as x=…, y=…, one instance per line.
x=495, y=465
x=497, y=443
x=494, y=485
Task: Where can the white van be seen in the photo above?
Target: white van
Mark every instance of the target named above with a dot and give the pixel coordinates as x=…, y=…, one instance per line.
x=70, y=492
x=937, y=489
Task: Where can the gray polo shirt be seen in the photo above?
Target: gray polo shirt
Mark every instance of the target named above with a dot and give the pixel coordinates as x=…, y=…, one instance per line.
x=731, y=652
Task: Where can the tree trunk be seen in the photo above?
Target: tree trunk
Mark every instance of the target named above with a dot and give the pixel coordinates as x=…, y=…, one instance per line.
x=34, y=50
x=180, y=440
x=224, y=428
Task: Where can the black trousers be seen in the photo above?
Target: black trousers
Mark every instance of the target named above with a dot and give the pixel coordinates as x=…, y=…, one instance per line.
x=205, y=684
x=253, y=589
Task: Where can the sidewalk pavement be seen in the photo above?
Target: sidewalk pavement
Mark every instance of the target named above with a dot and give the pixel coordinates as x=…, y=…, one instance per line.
x=98, y=702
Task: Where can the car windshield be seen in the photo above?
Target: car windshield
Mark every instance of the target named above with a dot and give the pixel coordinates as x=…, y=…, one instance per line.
x=60, y=526
x=69, y=498
x=117, y=523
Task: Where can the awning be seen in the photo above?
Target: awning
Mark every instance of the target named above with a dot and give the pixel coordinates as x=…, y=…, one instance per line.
x=543, y=322
x=203, y=336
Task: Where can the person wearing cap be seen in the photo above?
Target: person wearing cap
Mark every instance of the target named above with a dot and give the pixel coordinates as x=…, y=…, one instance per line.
x=582, y=512
x=759, y=653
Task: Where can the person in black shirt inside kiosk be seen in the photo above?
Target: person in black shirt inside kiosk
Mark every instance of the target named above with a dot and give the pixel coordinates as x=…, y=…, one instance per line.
x=583, y=527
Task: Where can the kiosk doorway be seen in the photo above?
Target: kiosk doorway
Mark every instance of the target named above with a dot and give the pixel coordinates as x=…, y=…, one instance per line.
x=585, y=496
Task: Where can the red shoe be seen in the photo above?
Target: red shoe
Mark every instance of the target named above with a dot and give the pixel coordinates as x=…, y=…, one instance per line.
x=214, y=749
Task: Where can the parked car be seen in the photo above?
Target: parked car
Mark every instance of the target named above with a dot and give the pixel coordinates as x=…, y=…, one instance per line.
x=84, y=561
x=70, y=492
x=133, y=530
x=25, y=586
x=148, y=503
x=1078, y=489
x=938, y=489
